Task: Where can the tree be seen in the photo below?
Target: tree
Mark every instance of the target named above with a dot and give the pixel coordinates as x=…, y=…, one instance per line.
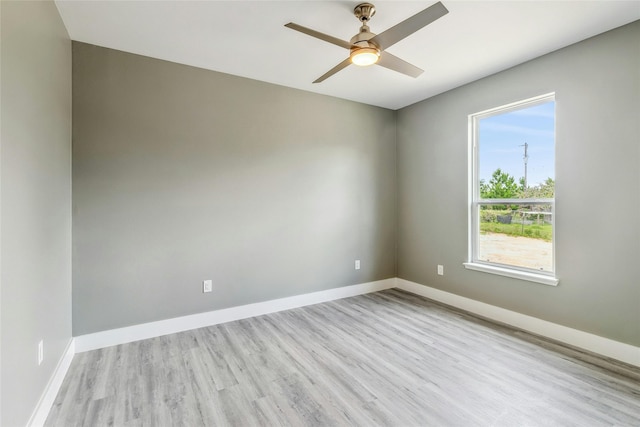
x=500, y=186
x=546, y=190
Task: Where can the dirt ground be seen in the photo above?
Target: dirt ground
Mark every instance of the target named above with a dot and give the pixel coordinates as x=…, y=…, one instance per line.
x=514, y=250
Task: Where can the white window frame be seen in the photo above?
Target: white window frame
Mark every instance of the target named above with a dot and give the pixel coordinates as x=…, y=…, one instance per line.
x=523, y=273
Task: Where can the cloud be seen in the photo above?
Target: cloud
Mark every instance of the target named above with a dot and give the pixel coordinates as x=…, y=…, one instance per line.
x=523, y=130
x=534, y=112
x=506, y=150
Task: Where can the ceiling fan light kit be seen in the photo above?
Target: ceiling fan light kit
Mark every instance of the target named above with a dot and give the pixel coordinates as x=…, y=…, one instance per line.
x=367, y=48
x=365, y=56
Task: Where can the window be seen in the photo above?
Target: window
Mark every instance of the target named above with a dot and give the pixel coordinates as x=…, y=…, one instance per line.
x=512, y=190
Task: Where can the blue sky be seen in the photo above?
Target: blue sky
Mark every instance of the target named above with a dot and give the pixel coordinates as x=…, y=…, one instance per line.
x=502, y=138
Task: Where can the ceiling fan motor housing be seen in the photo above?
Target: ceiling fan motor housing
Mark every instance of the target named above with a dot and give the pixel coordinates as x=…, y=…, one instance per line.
x=362, y=40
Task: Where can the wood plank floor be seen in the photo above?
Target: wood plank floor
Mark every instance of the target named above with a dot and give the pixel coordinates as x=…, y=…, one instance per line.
x=388, y=358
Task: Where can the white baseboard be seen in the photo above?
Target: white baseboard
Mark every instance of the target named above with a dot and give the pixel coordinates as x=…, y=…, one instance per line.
x=587, y=341
x=590, y=342
x=43, y=407
x=170, y=326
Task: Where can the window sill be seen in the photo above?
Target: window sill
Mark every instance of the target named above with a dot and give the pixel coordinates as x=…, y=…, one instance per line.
x=515, y=274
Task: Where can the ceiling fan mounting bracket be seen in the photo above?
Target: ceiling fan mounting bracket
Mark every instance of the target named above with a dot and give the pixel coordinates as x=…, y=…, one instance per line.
x=364, y=12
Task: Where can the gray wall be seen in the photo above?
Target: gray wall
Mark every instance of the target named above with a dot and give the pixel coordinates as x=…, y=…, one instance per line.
x=182, y=174
x=597, y=187
x=35, y=199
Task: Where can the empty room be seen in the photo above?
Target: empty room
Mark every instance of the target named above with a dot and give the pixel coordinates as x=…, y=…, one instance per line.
x=319, y=213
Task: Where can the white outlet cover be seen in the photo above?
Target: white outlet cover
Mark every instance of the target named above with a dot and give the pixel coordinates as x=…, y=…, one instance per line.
x=357, y=264
x=441, y=270
x=207, y=286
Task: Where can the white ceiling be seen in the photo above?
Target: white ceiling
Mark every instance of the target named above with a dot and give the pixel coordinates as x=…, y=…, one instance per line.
x=248, y=38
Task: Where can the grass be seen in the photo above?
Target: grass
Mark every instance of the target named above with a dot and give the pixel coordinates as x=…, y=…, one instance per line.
x=542, y=232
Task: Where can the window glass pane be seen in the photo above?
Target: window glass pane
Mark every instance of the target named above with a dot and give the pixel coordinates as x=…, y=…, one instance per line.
x=518, y=235
x=516, y=153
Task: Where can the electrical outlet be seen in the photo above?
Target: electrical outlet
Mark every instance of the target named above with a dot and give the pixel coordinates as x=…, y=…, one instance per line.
x=40, y=352
x=357, y=265
x=440, y=270
x=207, y=286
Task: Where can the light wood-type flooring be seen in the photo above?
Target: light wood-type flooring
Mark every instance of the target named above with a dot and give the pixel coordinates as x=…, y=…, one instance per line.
x=388, y=358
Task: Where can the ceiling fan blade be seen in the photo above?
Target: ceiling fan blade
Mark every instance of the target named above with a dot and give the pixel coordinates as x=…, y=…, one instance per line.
x=409, y=26
x=396, y=64
x=334, y=70
x=319, y=35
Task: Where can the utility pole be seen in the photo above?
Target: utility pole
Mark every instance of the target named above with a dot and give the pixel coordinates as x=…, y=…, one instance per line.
x=526, y=159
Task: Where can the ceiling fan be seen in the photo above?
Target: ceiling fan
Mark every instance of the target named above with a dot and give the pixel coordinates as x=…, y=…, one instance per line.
x=367, y=48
